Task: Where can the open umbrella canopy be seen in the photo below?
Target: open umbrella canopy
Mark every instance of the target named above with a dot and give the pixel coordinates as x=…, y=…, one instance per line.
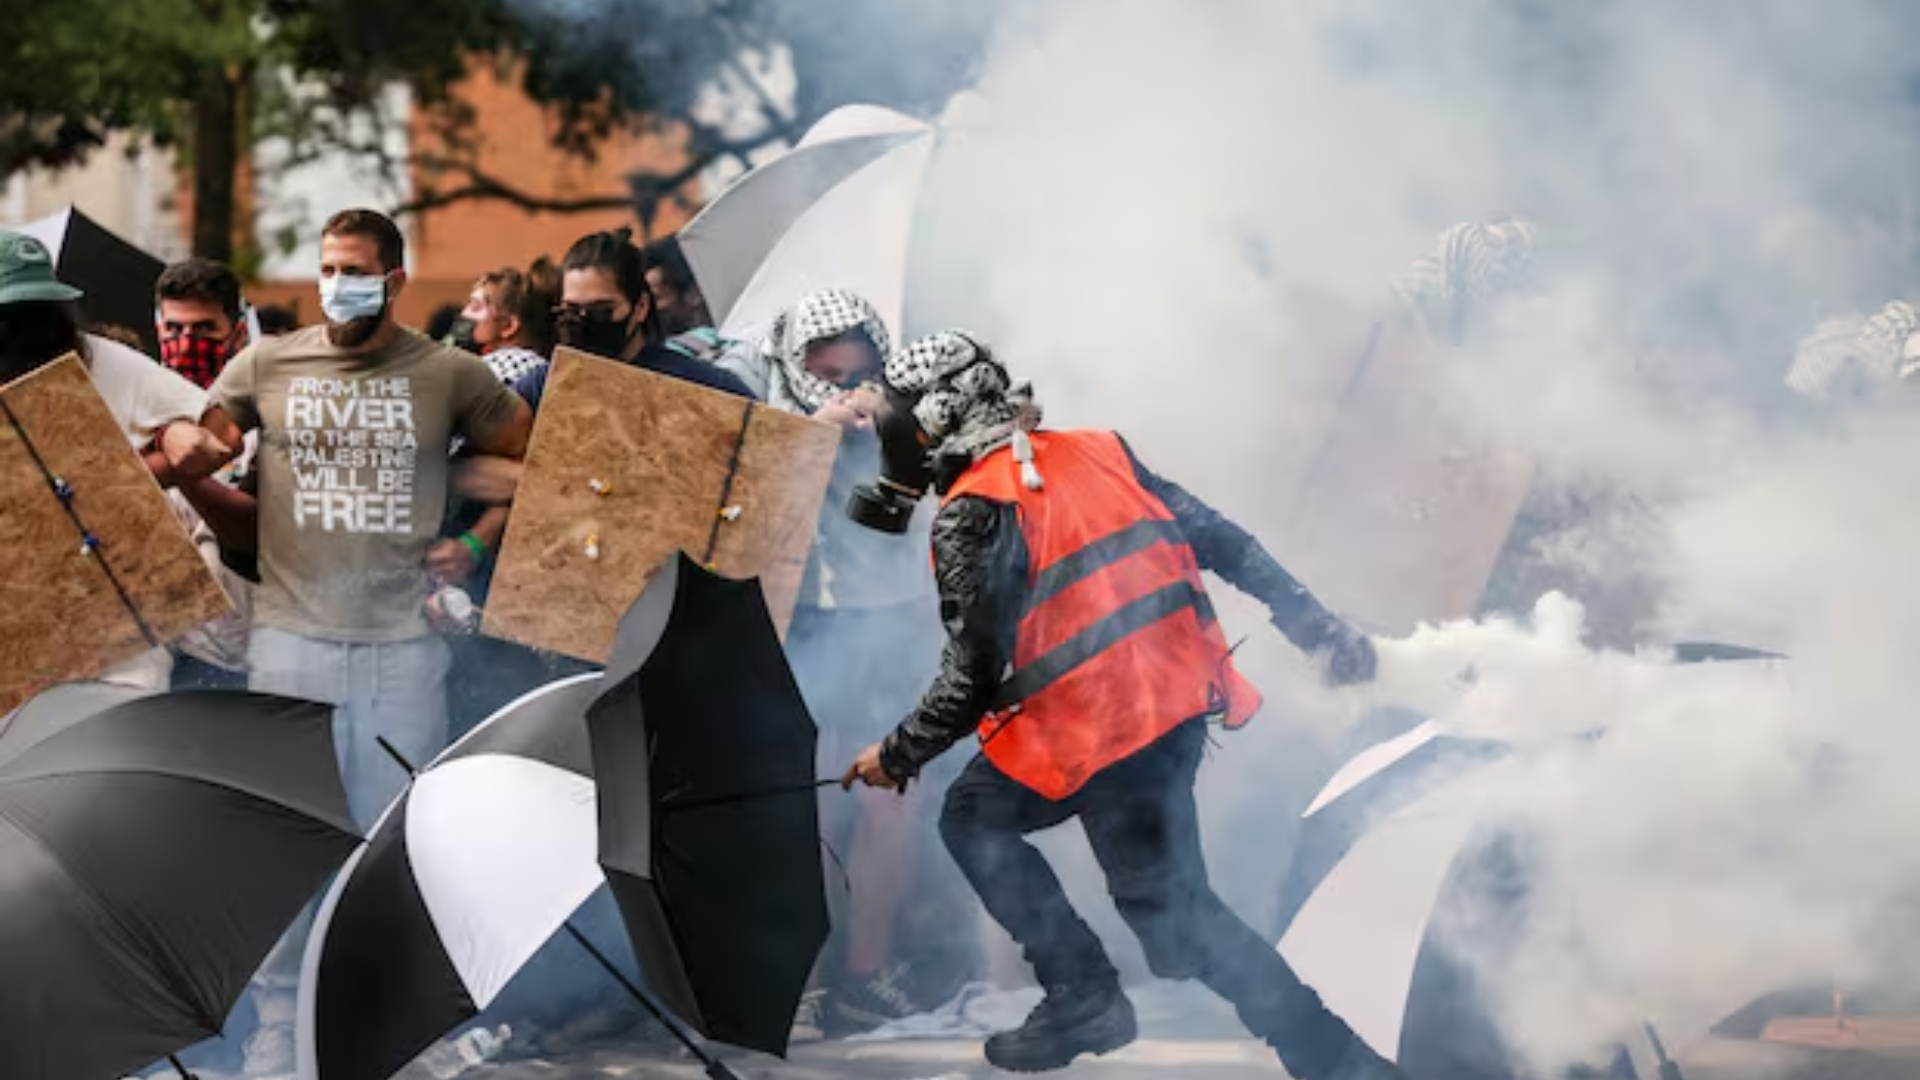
x=117, y=277
x=1412, y=853
x=152, y=850
x=729, y=239
x=837, y=211
x=709, y=829
x=484, y=858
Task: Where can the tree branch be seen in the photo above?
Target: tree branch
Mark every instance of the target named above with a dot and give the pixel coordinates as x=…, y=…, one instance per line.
x=482, y=188
x=645, y=190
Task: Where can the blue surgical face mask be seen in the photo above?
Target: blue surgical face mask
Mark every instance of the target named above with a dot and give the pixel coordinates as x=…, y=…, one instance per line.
x=346, y=297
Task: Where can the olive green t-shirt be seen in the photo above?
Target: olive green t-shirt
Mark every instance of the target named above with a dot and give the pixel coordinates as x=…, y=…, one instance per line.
x=353, y=473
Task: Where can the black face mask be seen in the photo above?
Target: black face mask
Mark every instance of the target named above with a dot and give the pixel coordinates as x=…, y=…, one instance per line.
x=596, y=332
x=461, y=335
x=906, y=470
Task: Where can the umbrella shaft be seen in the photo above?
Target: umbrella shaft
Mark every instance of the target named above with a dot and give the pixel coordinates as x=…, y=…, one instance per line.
x=715, y=1068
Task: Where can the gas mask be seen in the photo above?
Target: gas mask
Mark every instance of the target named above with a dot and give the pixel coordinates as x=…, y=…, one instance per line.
x=907, y=469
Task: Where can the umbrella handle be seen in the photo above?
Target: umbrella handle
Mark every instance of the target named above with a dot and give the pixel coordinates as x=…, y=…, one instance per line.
x=174, y=1061
x=716, y=1069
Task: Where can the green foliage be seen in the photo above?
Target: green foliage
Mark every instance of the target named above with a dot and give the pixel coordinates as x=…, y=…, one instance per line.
x=73, y=72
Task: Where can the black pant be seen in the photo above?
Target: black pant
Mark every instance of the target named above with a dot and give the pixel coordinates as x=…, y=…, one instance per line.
x=1142, y=823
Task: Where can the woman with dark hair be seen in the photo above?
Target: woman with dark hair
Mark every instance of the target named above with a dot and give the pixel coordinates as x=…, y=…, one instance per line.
x=607, y=309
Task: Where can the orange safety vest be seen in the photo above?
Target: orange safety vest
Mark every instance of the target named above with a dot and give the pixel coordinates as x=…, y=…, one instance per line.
x=1118, y=643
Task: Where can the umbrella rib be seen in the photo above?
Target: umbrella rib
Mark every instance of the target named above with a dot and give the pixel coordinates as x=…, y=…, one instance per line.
x=316, y=813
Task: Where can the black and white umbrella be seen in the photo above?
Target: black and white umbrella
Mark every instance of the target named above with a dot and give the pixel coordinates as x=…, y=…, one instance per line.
x=1410, y=833
x=478, y=864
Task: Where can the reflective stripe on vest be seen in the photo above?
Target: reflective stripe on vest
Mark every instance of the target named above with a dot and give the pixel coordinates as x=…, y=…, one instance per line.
x=1117, y=642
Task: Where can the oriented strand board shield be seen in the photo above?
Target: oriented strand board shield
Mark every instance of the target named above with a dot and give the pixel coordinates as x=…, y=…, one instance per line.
x=735, y=485
x=62, y=612
x=1404, y=512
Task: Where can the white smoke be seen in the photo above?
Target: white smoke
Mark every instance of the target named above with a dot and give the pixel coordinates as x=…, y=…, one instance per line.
x=1182, y=220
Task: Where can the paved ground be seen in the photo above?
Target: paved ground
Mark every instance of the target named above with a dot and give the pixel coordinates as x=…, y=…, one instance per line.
x=1142, y=1061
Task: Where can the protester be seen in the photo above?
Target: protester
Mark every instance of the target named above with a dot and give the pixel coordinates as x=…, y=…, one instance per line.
x=40, y=322
x=864, y=638
x=356, y=418
x=1083, y=649
x=508, y=320
x=607, y=309
x=682, y=305
x=198, y=312
x=684, y=314
x=197, y=307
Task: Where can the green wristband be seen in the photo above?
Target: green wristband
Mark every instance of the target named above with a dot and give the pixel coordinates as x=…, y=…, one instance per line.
x=474, y=545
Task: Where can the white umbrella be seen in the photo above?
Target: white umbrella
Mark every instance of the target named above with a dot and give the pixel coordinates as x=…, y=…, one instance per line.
x=1409, y=831
x=837, y=211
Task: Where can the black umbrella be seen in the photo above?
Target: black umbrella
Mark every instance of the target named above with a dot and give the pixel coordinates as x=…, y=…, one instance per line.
x=709, y=833
x=153, y=848
x=117, y=277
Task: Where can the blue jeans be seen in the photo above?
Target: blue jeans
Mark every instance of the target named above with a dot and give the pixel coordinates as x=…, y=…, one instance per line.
x=397, y=691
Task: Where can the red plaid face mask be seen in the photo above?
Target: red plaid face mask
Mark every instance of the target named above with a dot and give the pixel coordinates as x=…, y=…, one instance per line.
x=199, y=359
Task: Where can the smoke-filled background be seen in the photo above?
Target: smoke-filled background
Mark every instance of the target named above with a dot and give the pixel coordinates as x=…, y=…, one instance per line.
x=1180, y=220
x=1183, y=221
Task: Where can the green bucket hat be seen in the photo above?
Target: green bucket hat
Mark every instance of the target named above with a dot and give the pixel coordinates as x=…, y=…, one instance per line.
x=26, y=272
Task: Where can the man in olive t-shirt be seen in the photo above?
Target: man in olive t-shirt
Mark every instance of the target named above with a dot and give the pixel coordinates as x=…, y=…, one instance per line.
x=355, y=420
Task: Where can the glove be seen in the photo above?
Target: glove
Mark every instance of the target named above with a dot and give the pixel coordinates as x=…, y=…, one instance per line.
x=1349, y=655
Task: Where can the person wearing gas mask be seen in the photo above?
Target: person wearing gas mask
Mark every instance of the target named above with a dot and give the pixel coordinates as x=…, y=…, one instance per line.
x=863, y=640
x=1084, y=651
x=508, y=320
x=607, y=309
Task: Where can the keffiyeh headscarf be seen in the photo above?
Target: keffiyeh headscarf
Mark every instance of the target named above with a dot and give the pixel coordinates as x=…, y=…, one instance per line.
x=1472, y=263
x=818, y=316
x=967, y=401
x=1864, y=350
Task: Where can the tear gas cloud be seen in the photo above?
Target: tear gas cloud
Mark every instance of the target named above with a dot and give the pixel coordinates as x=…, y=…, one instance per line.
x=1180, y=221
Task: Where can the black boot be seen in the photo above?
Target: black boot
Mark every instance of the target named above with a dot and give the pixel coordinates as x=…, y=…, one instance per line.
x=1090, y=1018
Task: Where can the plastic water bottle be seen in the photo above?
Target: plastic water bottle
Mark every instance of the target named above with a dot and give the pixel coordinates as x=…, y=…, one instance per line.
x=476, y=1047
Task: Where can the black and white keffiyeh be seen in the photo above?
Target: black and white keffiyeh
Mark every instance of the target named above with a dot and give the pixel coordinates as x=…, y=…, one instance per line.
x=1471, y=263
x=513, y=363
x=818, y=316
x=967, y=402
x=1856, y=351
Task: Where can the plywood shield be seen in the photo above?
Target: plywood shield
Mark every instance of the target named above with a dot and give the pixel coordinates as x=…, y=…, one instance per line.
x=628, y=467
x=65, y=613
x=1404, y=511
